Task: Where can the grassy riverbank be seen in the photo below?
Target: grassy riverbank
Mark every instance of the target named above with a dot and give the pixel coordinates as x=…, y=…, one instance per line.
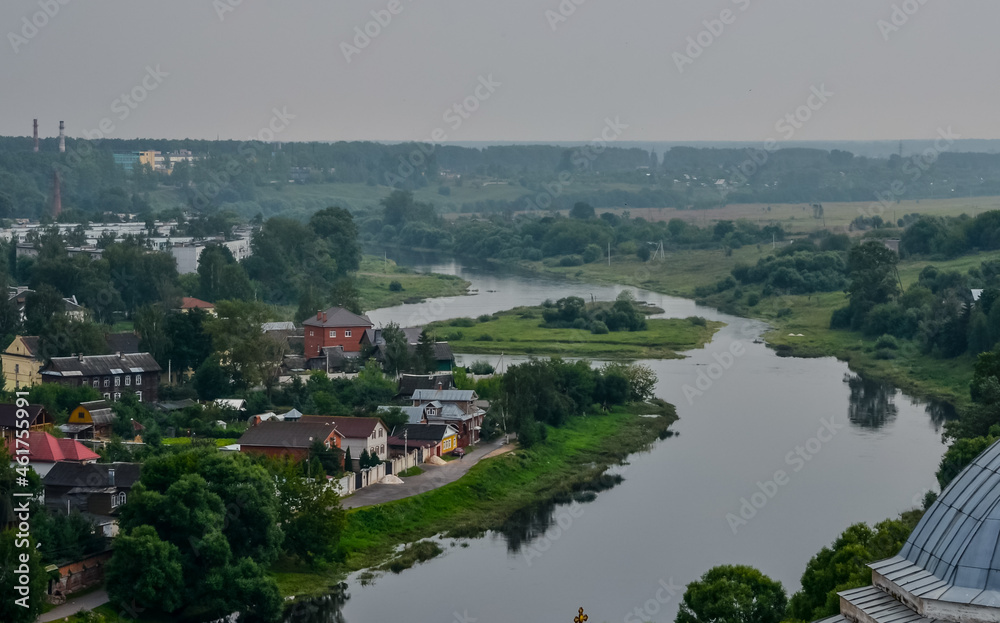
x=376, y=276
x=519, y=332
x=680, y=273
x=570, y=461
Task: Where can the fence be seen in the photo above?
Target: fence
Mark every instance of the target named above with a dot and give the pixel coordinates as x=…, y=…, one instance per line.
x=403, y=463
x=369, y=476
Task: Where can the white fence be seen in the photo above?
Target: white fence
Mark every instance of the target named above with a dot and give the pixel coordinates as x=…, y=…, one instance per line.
x=403, y=463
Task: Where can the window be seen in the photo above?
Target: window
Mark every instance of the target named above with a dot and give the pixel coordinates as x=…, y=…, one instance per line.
x=118, y=396
x=96, y=383
x=138, y=396
x=107, y=396
x=107, y=381
x=333, y=334
x=311, y=333
x=138, y=379
x=118, y=381
x=128, y=379
x=347, y=333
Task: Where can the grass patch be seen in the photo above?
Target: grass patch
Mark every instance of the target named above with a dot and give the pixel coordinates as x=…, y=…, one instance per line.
x=376, y=275
x=519, y=331
x=186, y=441
x=421, y=551
x=413, y=471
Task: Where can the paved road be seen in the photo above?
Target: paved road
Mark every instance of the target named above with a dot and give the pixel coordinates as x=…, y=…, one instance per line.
x=71, y=607
x=434, y=476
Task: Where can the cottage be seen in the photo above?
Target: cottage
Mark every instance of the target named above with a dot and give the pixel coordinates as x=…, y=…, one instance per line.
x=38, y=420
x=433, y=439
x=45, y=451
x=189, y=302
x=332, y=328
x=97, y=490
x=90, y=420
x=458, y=407
x=112, y=375
x=360, y=434
x=290, y=439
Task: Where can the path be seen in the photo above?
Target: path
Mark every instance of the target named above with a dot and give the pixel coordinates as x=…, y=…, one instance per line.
x=434, y=476
x=71, y=607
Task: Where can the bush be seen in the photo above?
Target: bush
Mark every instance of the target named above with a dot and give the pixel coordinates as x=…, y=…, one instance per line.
x=484, y=318
x=643, y=253
x=592, y=253
x=463, y=322
x=485, y=337
x=533, y=255
x=571, y=260
x=697, y=321
x=753, y=299
x=598, y=328
x=885, y=354
x=784, y=312
x=481, y=367
x=395, y=286
x=887, y=341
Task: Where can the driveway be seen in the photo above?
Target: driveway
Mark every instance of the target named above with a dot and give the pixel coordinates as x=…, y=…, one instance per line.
x=71, y=607
x=434, y=476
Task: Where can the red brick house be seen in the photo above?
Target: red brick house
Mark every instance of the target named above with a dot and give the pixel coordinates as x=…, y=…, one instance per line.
x=291, y=439
x=334, y=327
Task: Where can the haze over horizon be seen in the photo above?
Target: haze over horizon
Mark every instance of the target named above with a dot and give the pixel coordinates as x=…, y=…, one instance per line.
x=525, y=71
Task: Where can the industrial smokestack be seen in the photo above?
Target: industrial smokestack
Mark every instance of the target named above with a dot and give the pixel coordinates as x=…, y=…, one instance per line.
x=62, y=138
x=36, y=136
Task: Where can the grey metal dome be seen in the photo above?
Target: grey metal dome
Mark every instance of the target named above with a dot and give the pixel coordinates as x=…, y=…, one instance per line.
x=957, y=539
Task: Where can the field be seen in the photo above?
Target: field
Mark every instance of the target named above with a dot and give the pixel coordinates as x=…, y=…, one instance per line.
x=518, y=332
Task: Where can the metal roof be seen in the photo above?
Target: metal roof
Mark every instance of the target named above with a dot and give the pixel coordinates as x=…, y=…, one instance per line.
x=955, y=545
x=445, y=395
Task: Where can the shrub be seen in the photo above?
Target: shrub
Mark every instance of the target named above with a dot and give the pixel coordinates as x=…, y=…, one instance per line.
x=885, y=353
x=463, y=322
x=753, y=299
x=484, y=318
x=592, y=253
x=571, y=260
x=481, y=367
x=485, y=337
x=395, y=286
x=784, y=312
x=697, y=321
x=532, y=255
x=643, y=253
x=598, y=328
x=887, y=341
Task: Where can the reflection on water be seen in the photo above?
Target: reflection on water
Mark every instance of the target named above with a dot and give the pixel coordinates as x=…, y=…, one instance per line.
x=872, y=403
x=326, y=609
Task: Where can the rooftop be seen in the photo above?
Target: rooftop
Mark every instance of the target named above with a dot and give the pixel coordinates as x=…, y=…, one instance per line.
x=286, y=434
x=337, y=317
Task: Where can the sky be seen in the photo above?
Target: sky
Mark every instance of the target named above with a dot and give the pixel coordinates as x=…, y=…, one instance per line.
x=501, y=70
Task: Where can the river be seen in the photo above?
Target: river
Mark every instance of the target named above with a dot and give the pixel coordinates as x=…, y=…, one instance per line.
x=773, y=458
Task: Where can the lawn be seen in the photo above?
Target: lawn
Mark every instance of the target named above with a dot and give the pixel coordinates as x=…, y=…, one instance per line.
x=519, y=331
x=186, y=441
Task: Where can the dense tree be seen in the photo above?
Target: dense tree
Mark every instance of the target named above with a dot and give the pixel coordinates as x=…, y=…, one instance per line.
x=733, y=594
x=396, y=350
x=145, y=572
x=18, y=607
x=336, y=227
x=252, y=357
x=221, y=277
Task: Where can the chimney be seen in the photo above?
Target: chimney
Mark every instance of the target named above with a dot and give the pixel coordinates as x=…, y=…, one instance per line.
x=324, y=316
x=79, y=356
x=62, y=138
x=121, y=355
x=319, y=315
x=440, y=386
x=36, y=136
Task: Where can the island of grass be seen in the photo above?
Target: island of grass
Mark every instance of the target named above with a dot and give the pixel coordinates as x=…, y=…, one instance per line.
x=541, y=331
x=383, y=283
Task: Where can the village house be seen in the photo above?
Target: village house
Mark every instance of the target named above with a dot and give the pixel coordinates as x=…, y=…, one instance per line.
x=97, y=490
x=409, y=383
x=90, y=420
x=189, y=302
x=335, y=327
x=289, y=439
x=360, y=434
x=44, y=451
x=430, y=439
x=23, y=359
x=112, y=375
x=460, y=408
x=38, y=420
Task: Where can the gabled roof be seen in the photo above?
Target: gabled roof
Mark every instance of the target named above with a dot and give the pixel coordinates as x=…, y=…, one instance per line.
x=101, y=365
x=100, y=411
x=444, y=395
x=8, y=414
x=337, y=317
x=349, y=427
x=409, y=383
x=414, y=415
x=424, y=432
x=442, y=352
x=122, y=342
x=189, y=302
x=92, y=475
x=286, y=434
x=44, y=448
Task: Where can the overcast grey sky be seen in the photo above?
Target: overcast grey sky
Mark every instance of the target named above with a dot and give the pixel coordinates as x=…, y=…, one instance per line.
x=230, y=63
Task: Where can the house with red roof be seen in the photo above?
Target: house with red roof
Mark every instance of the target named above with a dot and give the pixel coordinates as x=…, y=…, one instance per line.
x=189, y=302
x=335, y=327
x=359, y=433
x=44, y=451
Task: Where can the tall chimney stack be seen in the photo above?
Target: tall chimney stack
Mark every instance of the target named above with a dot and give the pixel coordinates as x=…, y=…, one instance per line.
x=36, y=136
x=62, y=138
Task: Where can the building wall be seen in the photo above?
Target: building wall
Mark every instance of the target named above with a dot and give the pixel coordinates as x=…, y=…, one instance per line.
x=20, y=368
x=296, y=454
x=317, y=338
x=148, y=388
